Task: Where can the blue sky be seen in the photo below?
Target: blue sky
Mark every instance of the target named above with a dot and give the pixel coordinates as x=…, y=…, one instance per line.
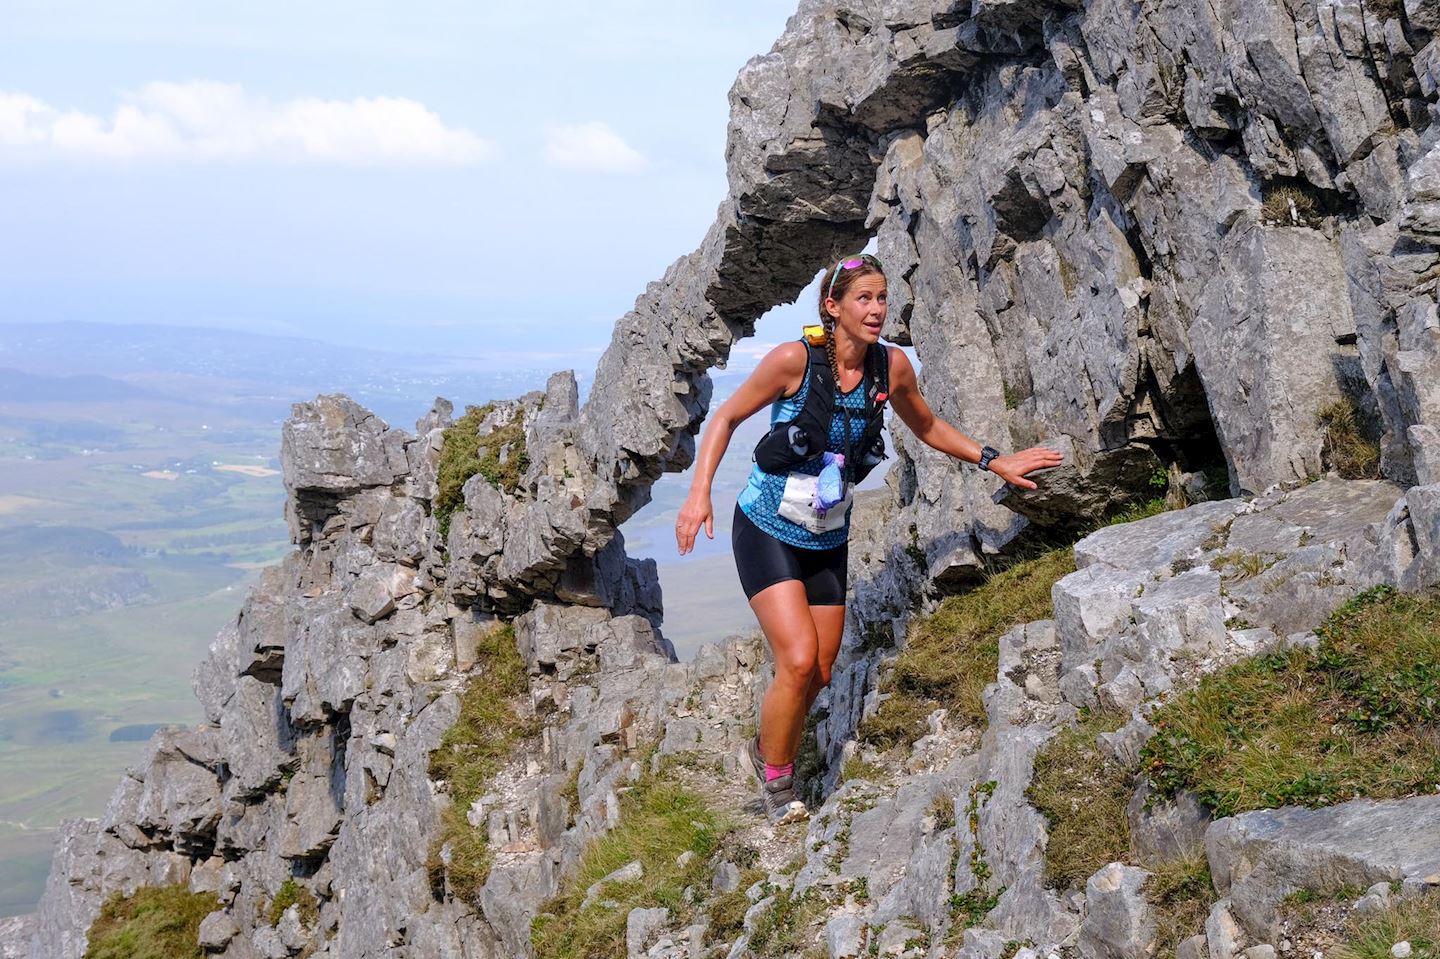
x=432, y=175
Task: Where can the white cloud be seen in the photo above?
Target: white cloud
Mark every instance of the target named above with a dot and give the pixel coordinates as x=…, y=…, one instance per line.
x=591, y=146
x=219, y=122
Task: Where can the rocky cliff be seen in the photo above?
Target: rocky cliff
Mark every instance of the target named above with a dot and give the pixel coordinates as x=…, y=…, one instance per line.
x=1164, y=237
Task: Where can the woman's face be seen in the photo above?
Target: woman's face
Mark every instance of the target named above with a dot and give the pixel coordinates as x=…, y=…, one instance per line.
x=861, y=308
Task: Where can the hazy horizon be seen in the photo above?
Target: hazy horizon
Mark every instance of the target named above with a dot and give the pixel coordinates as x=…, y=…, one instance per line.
x=348, y=171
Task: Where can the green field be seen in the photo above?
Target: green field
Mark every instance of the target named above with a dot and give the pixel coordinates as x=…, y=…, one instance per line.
x=112, y=584
x=67, y=686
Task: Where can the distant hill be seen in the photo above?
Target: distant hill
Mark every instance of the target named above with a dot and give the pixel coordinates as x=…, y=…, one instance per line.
x=61, y=545
x=20, y=386
x=252, y=374
x=125, y=348
x=66, y=570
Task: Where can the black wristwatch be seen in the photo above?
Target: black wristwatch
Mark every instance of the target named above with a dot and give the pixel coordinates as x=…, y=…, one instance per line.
x=987, y=454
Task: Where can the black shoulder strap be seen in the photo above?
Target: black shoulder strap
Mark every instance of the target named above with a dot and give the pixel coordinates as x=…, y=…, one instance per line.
x=822, y=380
x=877, y=374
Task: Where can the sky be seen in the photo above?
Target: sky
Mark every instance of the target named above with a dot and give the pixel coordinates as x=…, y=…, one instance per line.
x=432, y=176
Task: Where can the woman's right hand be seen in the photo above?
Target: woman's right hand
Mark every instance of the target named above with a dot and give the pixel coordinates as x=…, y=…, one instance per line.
x=693, y=514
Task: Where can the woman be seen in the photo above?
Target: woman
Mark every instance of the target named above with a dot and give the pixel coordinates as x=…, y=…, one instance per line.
x=789, y=538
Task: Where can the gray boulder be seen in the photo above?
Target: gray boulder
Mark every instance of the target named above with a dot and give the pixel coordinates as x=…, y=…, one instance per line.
x=1118, y=921
x=641, y=926
x=1259, y=858
x=217, y=930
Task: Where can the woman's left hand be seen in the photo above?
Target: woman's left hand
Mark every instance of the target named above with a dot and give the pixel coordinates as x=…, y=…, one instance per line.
x=1013, y=467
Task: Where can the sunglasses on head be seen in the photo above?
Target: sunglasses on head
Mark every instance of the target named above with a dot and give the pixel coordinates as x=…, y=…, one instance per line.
x=850, y=263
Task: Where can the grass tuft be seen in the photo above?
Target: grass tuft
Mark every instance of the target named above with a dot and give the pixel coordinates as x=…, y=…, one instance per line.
x=782, y=929
x=293, y=893
x=942, y=811
x=1141, y=510
x=1240, y=565
x=1083, y=796
x=570, y=792
x=1180, y=893
x=499, y=455
x=727, y=911
x=1290, y=205
x=857, y=768
x=1356, y=717
x=1416, y=921
x=952, y=654
x=157, y=922
x=660, y=819
x=1346, y=448
x=470, y=754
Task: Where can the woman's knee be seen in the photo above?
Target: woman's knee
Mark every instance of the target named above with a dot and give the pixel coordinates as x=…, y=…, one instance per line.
x=797, y=667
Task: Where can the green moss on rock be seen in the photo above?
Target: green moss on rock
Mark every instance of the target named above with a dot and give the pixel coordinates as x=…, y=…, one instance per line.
x=499, y=455
x=157, y=922
x=292, y=893
x=468, y=757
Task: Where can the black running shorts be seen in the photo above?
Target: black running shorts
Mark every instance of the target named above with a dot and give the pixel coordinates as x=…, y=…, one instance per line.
x=763, y=560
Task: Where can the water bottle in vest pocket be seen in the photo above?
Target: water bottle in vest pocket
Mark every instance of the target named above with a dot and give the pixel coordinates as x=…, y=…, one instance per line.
x=797, y=505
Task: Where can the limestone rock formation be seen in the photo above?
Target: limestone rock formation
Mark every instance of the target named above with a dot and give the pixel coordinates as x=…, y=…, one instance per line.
x=1160, y=237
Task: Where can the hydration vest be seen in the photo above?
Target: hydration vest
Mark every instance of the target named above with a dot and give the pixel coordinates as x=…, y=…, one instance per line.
x=803, y=439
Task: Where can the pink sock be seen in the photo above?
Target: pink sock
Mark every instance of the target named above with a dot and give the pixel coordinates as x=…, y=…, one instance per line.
x=775, y=772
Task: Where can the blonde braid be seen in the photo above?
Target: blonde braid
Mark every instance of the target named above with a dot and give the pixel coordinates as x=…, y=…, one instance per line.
x=830, y=352
x=835, y=375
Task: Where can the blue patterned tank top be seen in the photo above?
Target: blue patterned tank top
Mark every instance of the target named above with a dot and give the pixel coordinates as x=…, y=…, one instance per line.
x=760, y=499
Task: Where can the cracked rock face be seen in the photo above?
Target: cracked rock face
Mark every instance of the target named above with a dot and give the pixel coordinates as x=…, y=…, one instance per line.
x=1085, y=251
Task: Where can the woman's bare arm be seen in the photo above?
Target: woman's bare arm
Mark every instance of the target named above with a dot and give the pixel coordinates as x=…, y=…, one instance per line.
x=915, y=413
x=779, y=373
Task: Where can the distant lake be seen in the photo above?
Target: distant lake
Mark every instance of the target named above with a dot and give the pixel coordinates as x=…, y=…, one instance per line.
x=136, y=732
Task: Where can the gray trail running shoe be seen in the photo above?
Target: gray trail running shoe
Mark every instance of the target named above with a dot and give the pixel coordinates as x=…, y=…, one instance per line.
x=781, y=804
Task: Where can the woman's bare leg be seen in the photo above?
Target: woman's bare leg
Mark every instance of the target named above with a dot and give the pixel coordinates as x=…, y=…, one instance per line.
x=789, y=627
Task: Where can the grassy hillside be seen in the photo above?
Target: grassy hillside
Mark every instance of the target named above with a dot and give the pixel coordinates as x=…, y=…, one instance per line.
x=117, y=567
